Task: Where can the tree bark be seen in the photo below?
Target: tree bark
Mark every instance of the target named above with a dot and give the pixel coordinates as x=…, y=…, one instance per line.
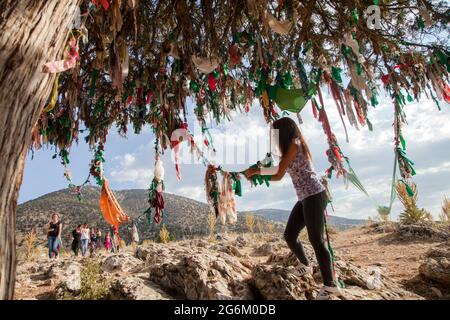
x=32, y=32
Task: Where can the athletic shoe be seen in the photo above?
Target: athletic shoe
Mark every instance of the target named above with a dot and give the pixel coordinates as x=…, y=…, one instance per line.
x=327, y=292
x=304, y=270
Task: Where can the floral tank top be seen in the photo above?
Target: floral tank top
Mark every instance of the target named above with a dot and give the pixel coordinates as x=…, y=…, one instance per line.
x=303, y=176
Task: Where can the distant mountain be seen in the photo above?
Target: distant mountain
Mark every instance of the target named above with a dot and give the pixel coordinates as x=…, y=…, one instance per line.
x=184, y=217
x=282, y=216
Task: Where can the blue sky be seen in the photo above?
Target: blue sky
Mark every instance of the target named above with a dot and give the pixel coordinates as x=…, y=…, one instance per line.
x=129, y=162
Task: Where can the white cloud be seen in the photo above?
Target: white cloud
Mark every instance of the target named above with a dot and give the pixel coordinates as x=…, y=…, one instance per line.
x=196, y=193
x=126, y=160
x=128, y=170
x=442, y=168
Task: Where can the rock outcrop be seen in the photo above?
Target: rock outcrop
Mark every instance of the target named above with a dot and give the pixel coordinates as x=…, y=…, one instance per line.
x=136, y=288
x=424, y=231
x=436, y=265
x=200, y=274
x=232, y=268
x=122, y=263
x=278, y=278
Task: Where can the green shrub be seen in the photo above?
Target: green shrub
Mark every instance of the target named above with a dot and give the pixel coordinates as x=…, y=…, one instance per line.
x=93, y=285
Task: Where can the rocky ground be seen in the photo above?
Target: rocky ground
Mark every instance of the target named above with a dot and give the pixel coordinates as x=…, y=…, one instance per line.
x=370, y=264
x=415, y=256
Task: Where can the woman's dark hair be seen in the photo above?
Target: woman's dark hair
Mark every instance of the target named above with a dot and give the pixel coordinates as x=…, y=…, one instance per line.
x=288, y=131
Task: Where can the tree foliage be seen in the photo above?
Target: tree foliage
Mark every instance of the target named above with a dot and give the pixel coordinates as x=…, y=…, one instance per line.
x=138, y=62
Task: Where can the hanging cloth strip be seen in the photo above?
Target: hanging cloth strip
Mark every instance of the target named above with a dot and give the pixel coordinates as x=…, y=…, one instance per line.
x=227, y=199
x=135, y=234
x=69, y=61
x=155, y=194
x=213, y=191
x=330, y=248
x=112, y=212
x=104, y=3
x=54, y=97
x=279, y=27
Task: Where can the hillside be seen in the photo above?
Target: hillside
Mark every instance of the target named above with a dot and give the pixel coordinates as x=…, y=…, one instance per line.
x=184, y=217
x=282, y=216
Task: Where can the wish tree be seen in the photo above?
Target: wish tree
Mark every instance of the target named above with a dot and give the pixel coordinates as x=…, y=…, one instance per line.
x=69, y=67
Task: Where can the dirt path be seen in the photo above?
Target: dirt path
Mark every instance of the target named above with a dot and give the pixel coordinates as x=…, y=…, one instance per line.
x=397, y=259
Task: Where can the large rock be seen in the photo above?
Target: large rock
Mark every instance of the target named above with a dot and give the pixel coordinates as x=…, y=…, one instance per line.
x=383, y=227
x=436, y=265
x=201, y=274
x=197, y=269
x=157, y=253
x=353, y=276
x=277, y=282
x=427, y=231
x=229, y=249
x=73, y=278
x=278, y=278
x=240, y=241
x=136, y=288
x=265, y=249
x=61, y=269
x=122, y=262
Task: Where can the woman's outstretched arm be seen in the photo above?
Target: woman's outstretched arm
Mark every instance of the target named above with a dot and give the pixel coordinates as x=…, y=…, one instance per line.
x=281, y=169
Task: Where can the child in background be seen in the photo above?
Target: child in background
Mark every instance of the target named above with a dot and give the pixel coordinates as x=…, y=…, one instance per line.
x=93, y=242
x=108, y=245
x=116, y=239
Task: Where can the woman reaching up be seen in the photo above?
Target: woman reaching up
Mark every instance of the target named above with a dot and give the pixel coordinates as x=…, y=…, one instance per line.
x=312, y=201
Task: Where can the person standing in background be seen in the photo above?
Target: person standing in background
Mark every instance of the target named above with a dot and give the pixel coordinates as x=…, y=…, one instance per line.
x=54, y=236
x=92, y=242
x=76, y=242
x=85, y=235
x=113, y=238
x=99, y=239
x=108, y=242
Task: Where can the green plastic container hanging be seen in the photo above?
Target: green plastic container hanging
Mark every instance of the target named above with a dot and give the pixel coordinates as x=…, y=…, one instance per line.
x=292, y=100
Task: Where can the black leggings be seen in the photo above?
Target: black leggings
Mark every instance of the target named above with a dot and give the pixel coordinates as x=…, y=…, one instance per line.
x=75, y=247
x=310, y=213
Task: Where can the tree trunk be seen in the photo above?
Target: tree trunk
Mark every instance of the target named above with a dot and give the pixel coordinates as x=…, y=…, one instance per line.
x=32, y=32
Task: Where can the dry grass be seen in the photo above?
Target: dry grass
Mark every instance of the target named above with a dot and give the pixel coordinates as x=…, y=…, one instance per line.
x=164, y=235
x=259, y=226
x=331, y=230
x=212, y=220
x=444, y=216
x=412, y=213
x=63, y=253
x=30, y=246
x=132, y=247
x=270, y=227
x=147, y=242
x=250, y=222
